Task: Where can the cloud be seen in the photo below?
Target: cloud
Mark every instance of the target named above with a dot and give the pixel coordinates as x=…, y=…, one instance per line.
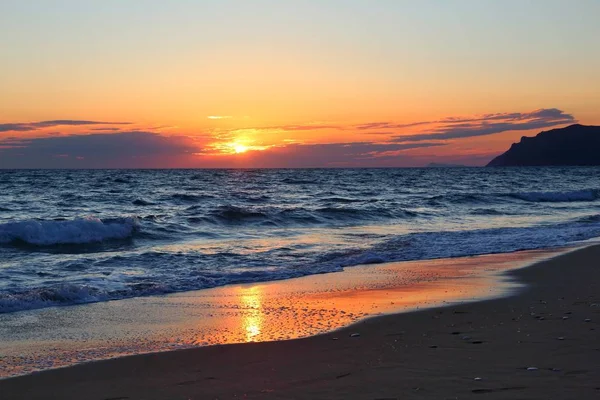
x=219, y=117
x=442, y=129
x=32, y=126
x=301, y=127
x=489, y=124
x=111, y=129
x=98, y=150
x=14, y=127
x=389, y=125
x=358, y=154
x=139, y=149
x=376, y=133
x=109, y=145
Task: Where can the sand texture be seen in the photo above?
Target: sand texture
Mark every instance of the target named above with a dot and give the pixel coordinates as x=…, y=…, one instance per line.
x=540, y=344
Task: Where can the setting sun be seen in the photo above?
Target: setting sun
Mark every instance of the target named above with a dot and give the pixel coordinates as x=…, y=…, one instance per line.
x=239, y=148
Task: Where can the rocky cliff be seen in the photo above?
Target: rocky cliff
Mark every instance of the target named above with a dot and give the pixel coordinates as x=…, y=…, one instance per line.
x=573, y=145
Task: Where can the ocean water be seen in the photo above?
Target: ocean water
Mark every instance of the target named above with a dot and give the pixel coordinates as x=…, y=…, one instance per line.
x=72, y=237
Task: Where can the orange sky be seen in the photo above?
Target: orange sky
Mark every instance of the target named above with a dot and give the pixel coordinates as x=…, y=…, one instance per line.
x=346, y=89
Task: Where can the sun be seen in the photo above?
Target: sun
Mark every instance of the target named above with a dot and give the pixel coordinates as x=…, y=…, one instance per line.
x=239, y=148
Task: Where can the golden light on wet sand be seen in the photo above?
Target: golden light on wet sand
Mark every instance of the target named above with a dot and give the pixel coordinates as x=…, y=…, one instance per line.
x=253, y=314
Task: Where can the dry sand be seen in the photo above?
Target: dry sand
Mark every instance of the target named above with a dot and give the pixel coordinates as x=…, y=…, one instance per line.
x=478, y=350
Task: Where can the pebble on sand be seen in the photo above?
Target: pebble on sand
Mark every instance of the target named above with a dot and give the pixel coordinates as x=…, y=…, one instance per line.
x=354, y=334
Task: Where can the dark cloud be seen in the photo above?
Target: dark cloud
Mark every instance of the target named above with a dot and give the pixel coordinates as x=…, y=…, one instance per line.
x=32, y=126
x=152, y=150
x=489, y=124
x=98, y=150
x=15, y=127
x=449, y=128
x=358, y=154
x=388, y=125
x=105, y=129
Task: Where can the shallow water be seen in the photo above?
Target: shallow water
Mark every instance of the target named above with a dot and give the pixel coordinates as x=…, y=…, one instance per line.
x=69, y=237
x=61, y=336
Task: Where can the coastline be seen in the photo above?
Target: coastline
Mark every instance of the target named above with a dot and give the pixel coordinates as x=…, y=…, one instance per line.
x=57, y=337
x=433, y=353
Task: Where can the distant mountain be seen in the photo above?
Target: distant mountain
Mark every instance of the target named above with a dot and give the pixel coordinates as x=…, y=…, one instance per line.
x=442, y=165
x=573, y=145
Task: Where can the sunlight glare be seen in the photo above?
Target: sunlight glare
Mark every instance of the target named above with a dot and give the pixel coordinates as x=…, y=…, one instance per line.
x=239, y=148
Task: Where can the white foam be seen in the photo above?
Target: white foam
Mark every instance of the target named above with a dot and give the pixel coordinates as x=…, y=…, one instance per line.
x=47, y=297
x=77, y=231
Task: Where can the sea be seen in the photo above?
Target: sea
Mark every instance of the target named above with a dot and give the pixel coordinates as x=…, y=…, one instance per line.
x=84, y=236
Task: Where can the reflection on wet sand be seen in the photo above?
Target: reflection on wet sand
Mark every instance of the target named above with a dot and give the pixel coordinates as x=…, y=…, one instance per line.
x=250, y=298
x=316, y=304
x=247, y=313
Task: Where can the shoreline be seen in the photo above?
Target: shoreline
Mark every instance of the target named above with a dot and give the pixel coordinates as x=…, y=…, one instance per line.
x=51, y=338
x=500, y=339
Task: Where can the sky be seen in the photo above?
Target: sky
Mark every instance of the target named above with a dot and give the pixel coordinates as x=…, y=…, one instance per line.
x=266, y=83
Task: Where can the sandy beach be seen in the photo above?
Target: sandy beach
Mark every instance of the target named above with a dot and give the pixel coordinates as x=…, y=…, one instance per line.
x=299, y=200
x=539, y=344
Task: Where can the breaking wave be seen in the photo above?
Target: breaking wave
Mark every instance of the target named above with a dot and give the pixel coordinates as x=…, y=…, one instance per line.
x=77, y=231
x=197, y=271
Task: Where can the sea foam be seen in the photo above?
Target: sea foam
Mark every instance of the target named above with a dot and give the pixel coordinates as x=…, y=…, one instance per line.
x=77, y=231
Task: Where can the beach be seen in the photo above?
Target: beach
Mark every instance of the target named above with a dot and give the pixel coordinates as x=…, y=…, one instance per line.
x=299, y=200
x=540, y=342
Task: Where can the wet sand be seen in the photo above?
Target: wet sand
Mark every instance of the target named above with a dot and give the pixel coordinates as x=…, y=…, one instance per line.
x=541, y=343
x=277, y=310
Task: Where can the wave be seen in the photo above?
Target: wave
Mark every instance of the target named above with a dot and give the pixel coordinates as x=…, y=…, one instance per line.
x=291, y=181
x=350, y=214
x=35, y=298
x=557, y=197
x=190, y=198
x=487, y=211
x=433, y=245
x=456, y=198
x=194, y=271
x=142, y=202
x=341, y=200
x=533, y=197
x=589, y=219
x=199, y=229
x=230, y=214
x=77, y=231
x=275, y=216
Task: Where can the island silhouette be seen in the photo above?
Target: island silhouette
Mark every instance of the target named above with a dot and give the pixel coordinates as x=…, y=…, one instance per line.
x=574, y=145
